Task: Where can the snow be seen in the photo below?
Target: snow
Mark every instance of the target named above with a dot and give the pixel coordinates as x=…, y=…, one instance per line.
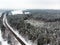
x=27, y=12
x=35, y=23
x=1, y=39
x=5, y=22
x=18, y=34
x=17, y=12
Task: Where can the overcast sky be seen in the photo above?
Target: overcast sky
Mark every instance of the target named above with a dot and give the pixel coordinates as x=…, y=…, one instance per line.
x=30, y=4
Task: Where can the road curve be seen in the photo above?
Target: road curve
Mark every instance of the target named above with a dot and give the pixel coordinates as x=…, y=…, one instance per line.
x=17, y=36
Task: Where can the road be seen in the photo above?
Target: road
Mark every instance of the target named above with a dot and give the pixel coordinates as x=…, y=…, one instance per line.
x=17, y=36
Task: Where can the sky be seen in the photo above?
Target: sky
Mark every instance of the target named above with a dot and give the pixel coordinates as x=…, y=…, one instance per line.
x=29, y=4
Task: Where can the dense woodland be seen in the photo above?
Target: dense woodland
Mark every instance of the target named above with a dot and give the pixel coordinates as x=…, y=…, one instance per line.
x=48, y=34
